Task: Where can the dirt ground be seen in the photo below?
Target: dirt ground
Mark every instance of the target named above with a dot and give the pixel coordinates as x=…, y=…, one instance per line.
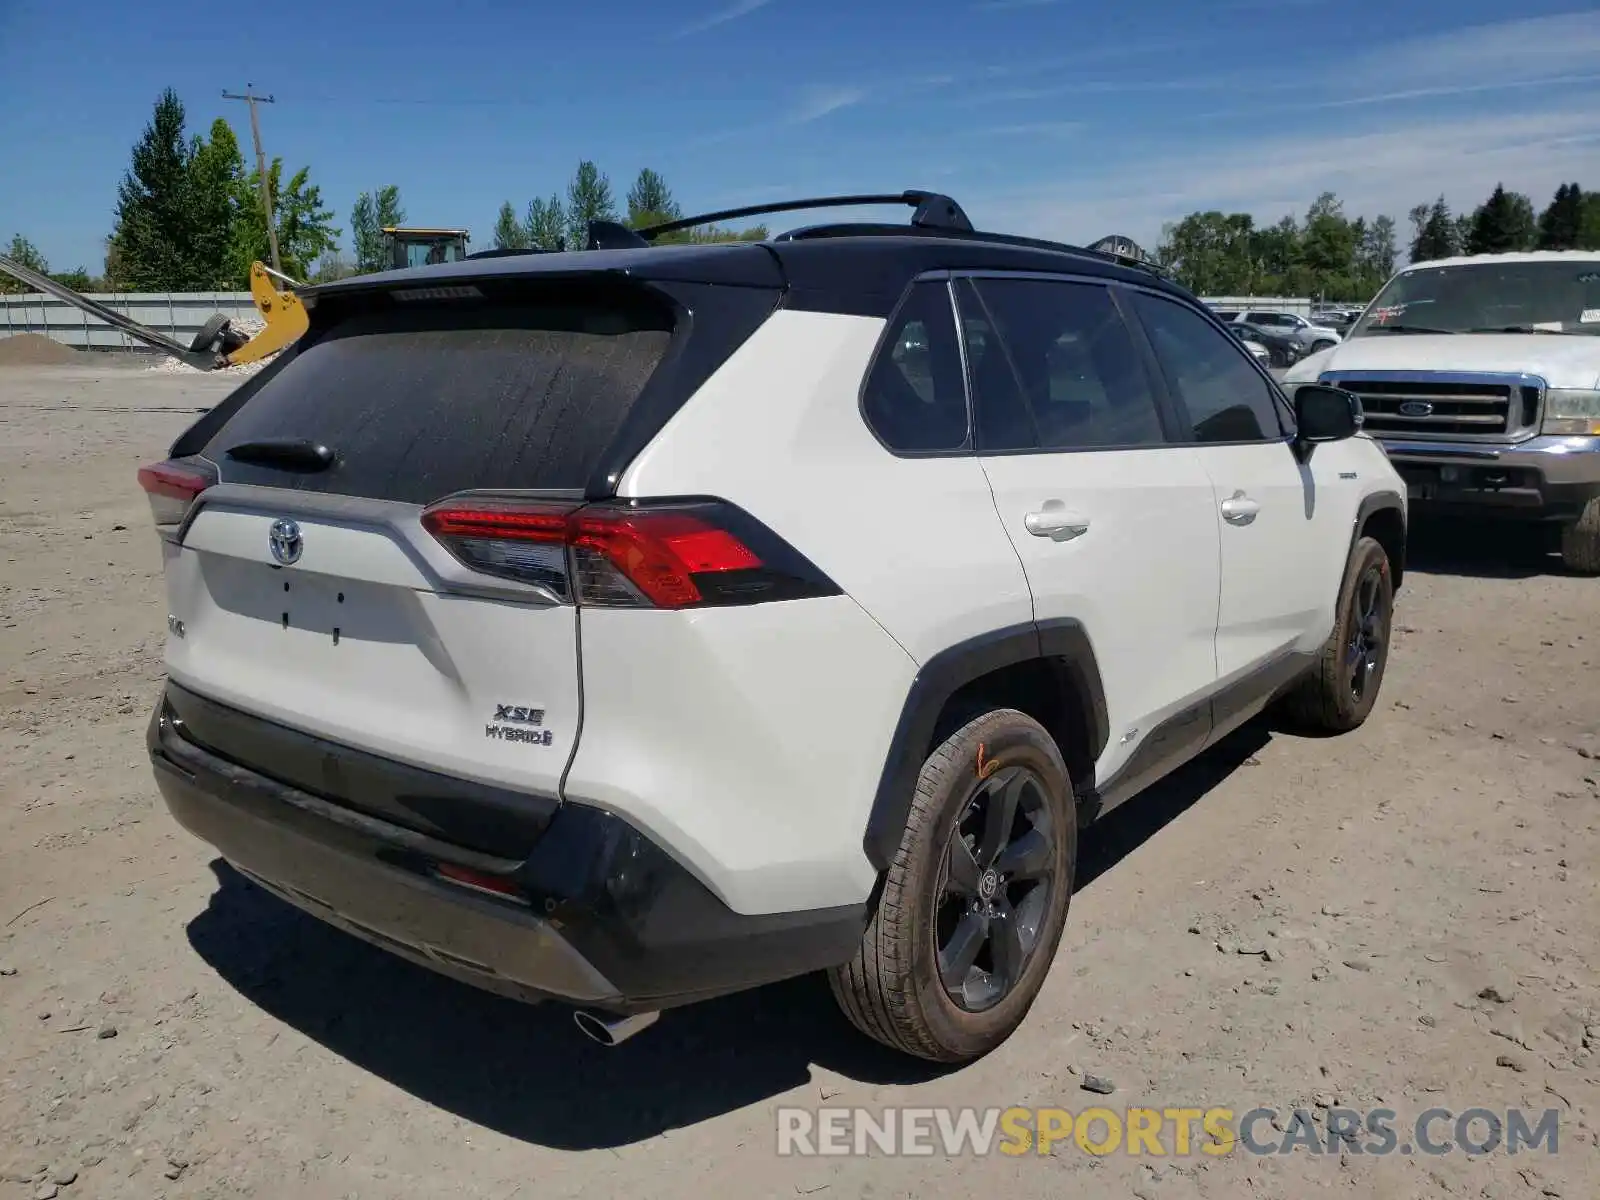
x=168, y=1030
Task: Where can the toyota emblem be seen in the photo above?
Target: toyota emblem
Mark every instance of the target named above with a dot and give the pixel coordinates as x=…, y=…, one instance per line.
x=284, y=540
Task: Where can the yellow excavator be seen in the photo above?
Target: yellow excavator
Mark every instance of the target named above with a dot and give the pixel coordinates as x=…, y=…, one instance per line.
x=218, y=345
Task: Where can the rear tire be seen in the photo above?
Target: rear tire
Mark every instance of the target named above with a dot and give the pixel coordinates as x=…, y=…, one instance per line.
x=1580, y=541
x=1338, y=693
x=974, y=903
x=211, y=335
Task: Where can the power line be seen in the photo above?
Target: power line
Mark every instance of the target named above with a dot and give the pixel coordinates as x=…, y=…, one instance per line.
x=250, y=98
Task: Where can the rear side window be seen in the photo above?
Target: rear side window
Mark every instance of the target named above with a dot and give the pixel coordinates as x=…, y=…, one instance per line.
x=1226, y=397
x=914, y=399
x=1062, y=374
x=419, y=403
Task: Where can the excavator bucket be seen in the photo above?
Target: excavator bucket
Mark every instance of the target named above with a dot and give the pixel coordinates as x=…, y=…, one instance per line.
x=285, y=316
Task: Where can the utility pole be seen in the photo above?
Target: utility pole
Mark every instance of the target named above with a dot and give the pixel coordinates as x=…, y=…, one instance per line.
x=250, y=98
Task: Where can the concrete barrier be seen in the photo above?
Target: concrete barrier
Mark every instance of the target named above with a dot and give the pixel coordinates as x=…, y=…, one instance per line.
x=179, y=315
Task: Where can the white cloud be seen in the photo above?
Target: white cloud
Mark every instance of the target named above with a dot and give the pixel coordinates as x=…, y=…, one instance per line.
x=1525, y=48
x=740, y=8
x=1383, y=170
x=818, y=101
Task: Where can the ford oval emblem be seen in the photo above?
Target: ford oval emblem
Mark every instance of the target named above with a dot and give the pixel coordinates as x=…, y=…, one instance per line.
x=285, y=542
x=1416, y=408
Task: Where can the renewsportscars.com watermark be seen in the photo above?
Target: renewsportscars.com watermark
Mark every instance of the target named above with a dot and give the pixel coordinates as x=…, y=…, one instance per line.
x=1163, y=1132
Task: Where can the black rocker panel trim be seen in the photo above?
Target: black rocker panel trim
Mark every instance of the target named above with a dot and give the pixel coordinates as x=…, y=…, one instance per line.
x=1065, y=642
x=1197, y=726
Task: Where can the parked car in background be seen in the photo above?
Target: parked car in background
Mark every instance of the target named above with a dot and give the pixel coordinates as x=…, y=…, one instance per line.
x=1283, y=348
x=1480, y=376
x=1257, y=351
x=1311, y=337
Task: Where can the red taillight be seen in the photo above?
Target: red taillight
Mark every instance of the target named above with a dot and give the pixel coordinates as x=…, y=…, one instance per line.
x=678, y=555
x=172, y=488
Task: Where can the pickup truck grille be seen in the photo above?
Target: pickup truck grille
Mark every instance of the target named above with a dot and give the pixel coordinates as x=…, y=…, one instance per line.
x=1447, y=407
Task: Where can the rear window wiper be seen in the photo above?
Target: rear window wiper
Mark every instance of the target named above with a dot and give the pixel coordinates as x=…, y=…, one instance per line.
x=292, y=454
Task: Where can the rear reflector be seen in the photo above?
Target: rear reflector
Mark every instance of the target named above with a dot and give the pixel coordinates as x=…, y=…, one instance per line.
x=172, y=488
x=647, y=555
x=479, y=881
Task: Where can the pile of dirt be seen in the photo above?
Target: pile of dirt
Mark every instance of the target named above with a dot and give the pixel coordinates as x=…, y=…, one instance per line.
x=35, y=350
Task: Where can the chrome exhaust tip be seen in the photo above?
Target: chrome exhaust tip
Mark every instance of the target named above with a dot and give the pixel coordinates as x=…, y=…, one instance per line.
x=610, y=1030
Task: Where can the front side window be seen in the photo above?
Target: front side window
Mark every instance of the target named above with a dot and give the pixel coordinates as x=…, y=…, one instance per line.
x=1054, y=368
x=1509, y=297
x=1225, y=395
x=914, y=399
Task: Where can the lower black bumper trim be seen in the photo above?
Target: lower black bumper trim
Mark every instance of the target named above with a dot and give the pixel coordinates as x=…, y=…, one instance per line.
x=610, y=919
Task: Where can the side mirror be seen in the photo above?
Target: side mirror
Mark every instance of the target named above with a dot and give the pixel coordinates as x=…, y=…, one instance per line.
x=1325, y=414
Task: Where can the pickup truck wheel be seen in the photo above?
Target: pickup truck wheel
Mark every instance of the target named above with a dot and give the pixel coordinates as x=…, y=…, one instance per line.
x=1340, y=690
x=1580, y=541
x=974, y=903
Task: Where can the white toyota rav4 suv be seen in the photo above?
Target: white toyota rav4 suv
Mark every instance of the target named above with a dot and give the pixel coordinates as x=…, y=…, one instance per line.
x=636, y=625
x=1481, y=377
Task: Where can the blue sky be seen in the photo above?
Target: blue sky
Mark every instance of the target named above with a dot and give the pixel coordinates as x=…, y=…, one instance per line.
x=1060, y=118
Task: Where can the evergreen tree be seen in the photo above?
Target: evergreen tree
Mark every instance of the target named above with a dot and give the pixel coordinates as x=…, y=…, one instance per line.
x=588, y=199
x=650, y=201
x=156, y=222
x=509, y=233
x=216, y=170
x=1495, y=225
x=1436, y=232
x=1378, y=252
x=1559, y=224
x=546, y=224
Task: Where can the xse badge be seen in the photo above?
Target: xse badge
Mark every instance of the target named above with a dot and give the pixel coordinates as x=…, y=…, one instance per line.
x=518, y=723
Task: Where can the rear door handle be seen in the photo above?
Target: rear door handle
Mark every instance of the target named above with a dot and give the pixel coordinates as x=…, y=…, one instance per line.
x=1057, y=524
x=1239, y=509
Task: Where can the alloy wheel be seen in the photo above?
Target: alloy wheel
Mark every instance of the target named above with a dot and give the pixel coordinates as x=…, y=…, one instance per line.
x=995, y=888
x=1364, y=654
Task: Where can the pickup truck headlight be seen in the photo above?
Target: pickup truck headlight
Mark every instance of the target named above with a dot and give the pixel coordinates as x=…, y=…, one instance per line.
x=1571, y=412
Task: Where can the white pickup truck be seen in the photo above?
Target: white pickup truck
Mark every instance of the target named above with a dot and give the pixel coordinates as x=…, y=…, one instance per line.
x=1480, y=376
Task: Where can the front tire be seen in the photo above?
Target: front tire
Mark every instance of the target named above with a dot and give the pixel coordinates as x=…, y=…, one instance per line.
x=1324, y=344
x=1580, y=541
x=1337, y=695
x=973, y=905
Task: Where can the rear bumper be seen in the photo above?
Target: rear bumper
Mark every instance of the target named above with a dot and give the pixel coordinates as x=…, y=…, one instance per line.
x=602, y=916
x=1549, y=478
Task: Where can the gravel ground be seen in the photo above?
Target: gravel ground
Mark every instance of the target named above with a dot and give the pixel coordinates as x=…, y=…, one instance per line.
x=1423, y=890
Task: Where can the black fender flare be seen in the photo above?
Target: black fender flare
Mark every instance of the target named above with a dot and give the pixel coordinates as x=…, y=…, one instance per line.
x=1063, y=642
x=1371, y=504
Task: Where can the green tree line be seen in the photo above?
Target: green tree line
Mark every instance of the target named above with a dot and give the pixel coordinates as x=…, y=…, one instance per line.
x=1329, y=255
x=562, y=222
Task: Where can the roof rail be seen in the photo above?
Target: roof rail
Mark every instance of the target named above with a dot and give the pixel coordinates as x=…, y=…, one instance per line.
x=933, y=211
x=864, y=229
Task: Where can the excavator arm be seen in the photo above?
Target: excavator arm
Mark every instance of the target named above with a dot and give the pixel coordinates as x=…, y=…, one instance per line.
x=217, y=345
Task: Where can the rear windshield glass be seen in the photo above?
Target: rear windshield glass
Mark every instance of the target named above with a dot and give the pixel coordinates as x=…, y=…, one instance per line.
x=416, y=404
